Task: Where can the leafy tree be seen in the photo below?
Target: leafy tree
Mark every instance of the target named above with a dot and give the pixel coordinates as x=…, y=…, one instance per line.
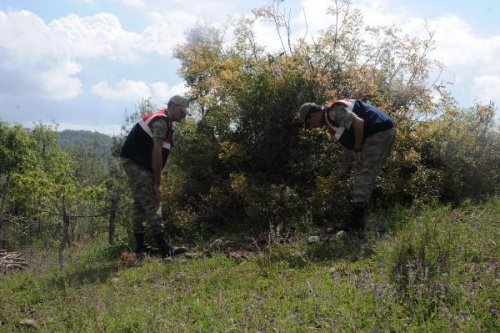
x=14, y=148
x=14, y=145
x=47, y=184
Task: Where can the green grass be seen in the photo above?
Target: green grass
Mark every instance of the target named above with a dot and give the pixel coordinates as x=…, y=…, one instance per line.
x=432, y=270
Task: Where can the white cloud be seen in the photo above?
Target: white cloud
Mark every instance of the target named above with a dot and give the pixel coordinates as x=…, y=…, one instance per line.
x=487, y=88
x=27, y=38
x=162, y=91
x=162, y=37
x=100, y=35
x=132, y=91
x=457, y=45
x=126, y=90
x=470, y=59
x=47, y=57
x=44, y=56
x=208, y=11
x=36, y=58
x=267, y=36
x=59, y=83
x=134, y=3
x=314, y=13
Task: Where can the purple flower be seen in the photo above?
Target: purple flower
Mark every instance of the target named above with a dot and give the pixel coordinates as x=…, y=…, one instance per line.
x=100, y=306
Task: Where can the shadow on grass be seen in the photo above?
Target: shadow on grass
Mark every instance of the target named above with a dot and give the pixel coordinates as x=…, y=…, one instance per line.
x=358, y=246
x=78, y=276
x=351, y=248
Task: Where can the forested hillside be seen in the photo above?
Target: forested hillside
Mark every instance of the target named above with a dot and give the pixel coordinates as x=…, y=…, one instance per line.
x=102, y=143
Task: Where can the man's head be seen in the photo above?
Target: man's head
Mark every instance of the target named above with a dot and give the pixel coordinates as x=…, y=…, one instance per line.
x=177, y=106
x=310, y=114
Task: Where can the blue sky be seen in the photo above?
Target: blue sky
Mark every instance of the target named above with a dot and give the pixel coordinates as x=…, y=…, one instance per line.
x=84, y=63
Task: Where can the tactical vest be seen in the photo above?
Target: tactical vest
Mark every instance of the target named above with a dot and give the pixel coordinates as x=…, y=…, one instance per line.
x=138, y=146
x=375, y=121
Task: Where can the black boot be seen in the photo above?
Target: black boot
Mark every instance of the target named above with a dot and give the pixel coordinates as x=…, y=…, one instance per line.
x=165, y=249
x=358, y=216
x=356, y=222
x=140, y=246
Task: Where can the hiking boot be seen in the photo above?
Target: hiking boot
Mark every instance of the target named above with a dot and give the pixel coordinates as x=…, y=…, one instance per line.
x=358, y=216
x=356, y=222
x=167, y=250
x=174, y=250
x=140, y=246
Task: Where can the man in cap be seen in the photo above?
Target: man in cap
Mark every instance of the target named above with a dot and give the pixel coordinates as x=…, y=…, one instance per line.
x=143, y=156
x=367, y=135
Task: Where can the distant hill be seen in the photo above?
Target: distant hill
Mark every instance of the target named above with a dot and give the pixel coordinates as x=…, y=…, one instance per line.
x=69, y=139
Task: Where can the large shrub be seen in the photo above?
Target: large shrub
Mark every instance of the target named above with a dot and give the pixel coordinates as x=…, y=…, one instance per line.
x=249, y=132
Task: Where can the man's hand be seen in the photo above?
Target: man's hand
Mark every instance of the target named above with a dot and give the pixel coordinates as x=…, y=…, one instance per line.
x=157, y=189
x=358, y=126
x=343, y=172
x=358, y=164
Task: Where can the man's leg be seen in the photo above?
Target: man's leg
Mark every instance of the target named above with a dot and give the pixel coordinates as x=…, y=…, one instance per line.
x=375, y=150
x=133, y=171
x=147, y=199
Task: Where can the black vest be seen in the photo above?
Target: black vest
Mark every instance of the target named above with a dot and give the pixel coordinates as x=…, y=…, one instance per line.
x=138, y=145
x=375, y=121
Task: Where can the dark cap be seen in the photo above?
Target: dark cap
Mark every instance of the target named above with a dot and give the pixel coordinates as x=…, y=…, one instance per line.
x=307, y=108
x=180, y=101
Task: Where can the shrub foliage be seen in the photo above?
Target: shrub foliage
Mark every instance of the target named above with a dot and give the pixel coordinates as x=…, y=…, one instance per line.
x=248, y=161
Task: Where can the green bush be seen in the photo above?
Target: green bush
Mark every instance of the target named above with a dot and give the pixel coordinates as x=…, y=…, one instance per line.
x=250, y=159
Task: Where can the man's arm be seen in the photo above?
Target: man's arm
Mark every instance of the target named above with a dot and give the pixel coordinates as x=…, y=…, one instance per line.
x=346, y=155
x=159, y=128
x=156, y=163
x=358, y=125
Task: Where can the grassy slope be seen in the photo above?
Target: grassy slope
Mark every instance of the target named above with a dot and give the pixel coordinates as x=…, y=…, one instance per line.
x=435, y=270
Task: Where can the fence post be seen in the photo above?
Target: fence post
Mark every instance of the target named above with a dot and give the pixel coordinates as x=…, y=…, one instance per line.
x=65, y=234
x=114, y=199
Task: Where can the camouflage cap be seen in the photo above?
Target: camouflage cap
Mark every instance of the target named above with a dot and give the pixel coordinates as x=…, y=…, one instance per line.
x=307, y=108
x=181, y=101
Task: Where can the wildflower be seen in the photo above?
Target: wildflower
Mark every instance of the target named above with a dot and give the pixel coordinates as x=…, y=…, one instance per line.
x=100, y=306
